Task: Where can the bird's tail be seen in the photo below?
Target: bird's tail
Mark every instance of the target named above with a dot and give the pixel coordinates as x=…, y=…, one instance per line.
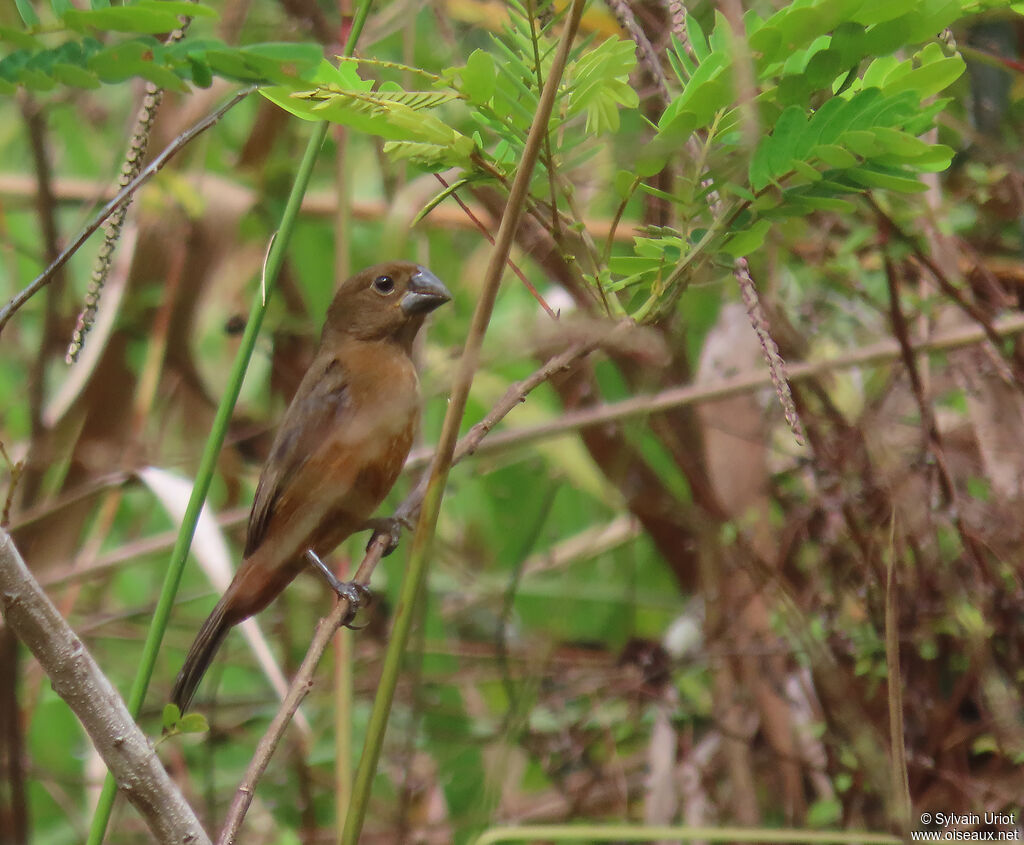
x=207, y=641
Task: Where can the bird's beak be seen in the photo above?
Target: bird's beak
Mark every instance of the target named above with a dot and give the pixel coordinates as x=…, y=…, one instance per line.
x=426, y=292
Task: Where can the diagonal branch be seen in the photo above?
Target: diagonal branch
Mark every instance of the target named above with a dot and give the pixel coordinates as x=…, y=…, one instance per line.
x=121, y=197
x=408, y=510
x=422, y=540
x=78, y=680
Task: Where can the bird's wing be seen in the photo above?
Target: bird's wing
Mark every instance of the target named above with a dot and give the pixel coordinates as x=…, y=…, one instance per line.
x=318, y=407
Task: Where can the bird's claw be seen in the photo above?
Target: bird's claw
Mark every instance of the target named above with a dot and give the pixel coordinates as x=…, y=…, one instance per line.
x=391, y=526
x=357, y=595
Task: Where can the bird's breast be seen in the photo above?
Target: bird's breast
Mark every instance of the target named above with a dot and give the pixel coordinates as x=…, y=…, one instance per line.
x=376, y=437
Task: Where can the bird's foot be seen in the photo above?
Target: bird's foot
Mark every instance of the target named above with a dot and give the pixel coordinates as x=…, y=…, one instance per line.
x=354, y=593
x=387, y=525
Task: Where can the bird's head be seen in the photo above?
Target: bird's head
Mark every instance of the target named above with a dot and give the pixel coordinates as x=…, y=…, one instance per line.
x=386, y=301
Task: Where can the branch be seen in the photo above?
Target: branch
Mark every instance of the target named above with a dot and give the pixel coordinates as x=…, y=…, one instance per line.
x=468, y=444
x=321, y=203
x=419, y=554
x=297, y=691
x=408, y=510
x=119, y=198
x=78, y=680
x=677, y=397
x=130, y=168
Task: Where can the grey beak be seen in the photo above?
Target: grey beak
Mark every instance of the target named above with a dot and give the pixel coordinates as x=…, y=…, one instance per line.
x=426, y=292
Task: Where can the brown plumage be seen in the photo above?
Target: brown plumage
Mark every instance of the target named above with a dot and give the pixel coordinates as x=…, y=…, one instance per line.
x=338, y=450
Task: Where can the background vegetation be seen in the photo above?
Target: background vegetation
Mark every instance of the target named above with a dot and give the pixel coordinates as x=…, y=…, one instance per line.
x=648, y=602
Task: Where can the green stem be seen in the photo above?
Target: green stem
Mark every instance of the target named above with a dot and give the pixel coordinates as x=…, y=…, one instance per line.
x=644, y=833
x=207, y=466
x=419, y=555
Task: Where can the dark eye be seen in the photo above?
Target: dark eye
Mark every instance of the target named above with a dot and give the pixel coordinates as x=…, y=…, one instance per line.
x=384, y=285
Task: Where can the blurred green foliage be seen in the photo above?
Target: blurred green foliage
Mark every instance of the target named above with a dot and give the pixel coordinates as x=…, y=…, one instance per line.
x=522, y=694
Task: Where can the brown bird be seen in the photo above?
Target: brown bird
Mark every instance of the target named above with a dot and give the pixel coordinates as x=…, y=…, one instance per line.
x=339, y=449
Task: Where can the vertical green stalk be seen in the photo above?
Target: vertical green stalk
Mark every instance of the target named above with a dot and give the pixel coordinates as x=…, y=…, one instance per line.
x=208, y=465
x=208, y=462
x=343, y=645
x=416, y=571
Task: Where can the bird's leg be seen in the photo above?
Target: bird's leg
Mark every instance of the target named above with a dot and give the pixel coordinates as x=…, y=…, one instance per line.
x=391, y=526
x=355, y=594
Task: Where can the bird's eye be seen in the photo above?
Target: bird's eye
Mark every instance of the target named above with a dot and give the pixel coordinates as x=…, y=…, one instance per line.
x=384, y=285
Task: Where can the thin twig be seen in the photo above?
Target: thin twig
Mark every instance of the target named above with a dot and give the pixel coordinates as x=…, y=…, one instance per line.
x=120, y=197
x=320, y=203
x=929, y=425
x=46, y=211
x=130, y=167
x=974, y=311
x=470, y=442
x=300, y=686
x=422, y=541
x=776, y=364
x=490, y=239
x=894, y=693
x=648, y=55
x=409, y=509
x=677, y=397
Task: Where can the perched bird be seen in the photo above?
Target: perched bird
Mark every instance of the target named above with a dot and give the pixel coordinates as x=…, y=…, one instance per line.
x=339, y=449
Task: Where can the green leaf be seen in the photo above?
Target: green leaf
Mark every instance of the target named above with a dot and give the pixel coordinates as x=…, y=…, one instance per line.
x=789, y=131
x=698, y=40
x=765, y=44
x=834, y=156
x=27, y=12
x=760, y=172
x=280, y=62
x=748, y=241
x=935, y=160
x=202, y=76
x=599, y=84
x=60, y=7
x=878, y=11
x=882, y=68
x=929, y=79
x=345, y=75
x=814, y=202
x=439, y=198
x=897, y=143
x=899, y=181
x=142, y=19
x=120, y=61
x=185, y=8
x=682, y=64
x=431, y=156
x=479, y=77
x=625, y=183
x=19, y=38
x=737, y=191
x=193, y=723
x=171, y=716
x=822, y=69
x=835, y=120
x=74, y=75
x=804, y=171
x=161, y=77
x=862, y=142
x=36, y=80
x=849, y=43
